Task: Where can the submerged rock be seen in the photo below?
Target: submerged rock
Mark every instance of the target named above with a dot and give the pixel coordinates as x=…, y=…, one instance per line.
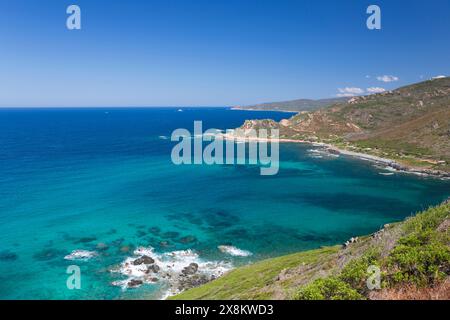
x=170, y=234
x=48, y=254
x=117, y=242
x=154, y=230
x=164, y=244
x=141, y=233
x=125, y=249
x=7, y=255
x=188, y=239
x=112, y=231
x=85, y=240
x=102, y=246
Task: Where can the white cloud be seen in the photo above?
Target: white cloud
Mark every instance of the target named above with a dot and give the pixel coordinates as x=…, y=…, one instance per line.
x=387, y=78
x=349, y=92
x=341, y=95
x=376, y=90
x=353, y=90
x=439, y=77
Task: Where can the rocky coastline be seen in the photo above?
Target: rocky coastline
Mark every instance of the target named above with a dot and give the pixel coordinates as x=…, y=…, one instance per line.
x=332, y=149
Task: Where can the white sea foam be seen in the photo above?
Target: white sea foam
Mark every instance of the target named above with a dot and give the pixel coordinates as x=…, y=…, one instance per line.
x=171, y=266
x=320, y=153
x=232, y=250
x=81, y=255
x=163, y=137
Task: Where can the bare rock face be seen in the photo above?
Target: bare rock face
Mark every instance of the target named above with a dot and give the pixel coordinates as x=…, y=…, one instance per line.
x=143, y=260
x=350, y=241
x=193, y=281
x=190, y=269
x=134, y=283
x=153, y=268
x=445, y=225
x=260, y=124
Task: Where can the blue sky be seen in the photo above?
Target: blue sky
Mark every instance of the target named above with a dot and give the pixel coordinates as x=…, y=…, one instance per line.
x=213, y=52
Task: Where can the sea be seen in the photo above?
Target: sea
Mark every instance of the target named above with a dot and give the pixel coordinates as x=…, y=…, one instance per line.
x=86, y=191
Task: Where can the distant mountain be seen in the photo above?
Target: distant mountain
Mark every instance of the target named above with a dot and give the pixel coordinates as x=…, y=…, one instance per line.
x=294, y=105
x=410, y=124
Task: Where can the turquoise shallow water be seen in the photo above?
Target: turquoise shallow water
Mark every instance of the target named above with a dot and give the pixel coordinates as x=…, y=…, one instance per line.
x=71, y=179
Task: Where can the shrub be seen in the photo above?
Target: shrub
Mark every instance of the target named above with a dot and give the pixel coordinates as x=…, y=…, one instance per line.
x=422, y=257
x=419, y=260
x=428, y=220
x=355, y=272
x=330, y=288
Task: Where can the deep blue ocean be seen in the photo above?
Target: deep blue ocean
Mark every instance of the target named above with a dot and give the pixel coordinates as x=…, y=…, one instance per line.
x=102, y=180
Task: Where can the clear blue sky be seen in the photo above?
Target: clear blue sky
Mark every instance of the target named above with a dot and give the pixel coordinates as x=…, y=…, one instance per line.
x=213, y=52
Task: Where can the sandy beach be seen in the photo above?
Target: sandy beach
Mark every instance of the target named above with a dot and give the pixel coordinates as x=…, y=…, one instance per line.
x=364, y=156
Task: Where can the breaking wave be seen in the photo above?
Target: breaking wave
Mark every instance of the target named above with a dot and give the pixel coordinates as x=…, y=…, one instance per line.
x=231, y=250
x=175, y=271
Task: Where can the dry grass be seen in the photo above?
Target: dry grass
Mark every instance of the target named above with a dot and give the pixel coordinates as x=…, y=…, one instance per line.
x=439, y=292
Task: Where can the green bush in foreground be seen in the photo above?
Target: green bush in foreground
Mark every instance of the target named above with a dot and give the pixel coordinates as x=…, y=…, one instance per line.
x=355, y=272
x=415, y=253
x=422, y=257
x=420, y=260
x=349, y=285
x=330, y=288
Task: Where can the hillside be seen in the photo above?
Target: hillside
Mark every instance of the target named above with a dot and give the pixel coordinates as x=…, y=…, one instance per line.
x=410, y=125
x=294, y=105
x=413, y=256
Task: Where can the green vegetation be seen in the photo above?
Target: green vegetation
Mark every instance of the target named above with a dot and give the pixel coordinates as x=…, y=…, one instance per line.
x=410, y=124
x=355, y=272
x=350, y=284
x=255, y=281
x=422, y=257
x=414, y=253
x=419, y=260
x=331, y=288
x=394, y=147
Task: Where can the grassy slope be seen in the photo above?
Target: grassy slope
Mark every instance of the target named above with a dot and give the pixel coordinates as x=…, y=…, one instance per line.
x=255, y=281
x=284, y=277
x=412, y=120
x=410, y=124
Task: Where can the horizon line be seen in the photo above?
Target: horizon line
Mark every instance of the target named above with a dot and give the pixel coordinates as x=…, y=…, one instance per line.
x=106, y=106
